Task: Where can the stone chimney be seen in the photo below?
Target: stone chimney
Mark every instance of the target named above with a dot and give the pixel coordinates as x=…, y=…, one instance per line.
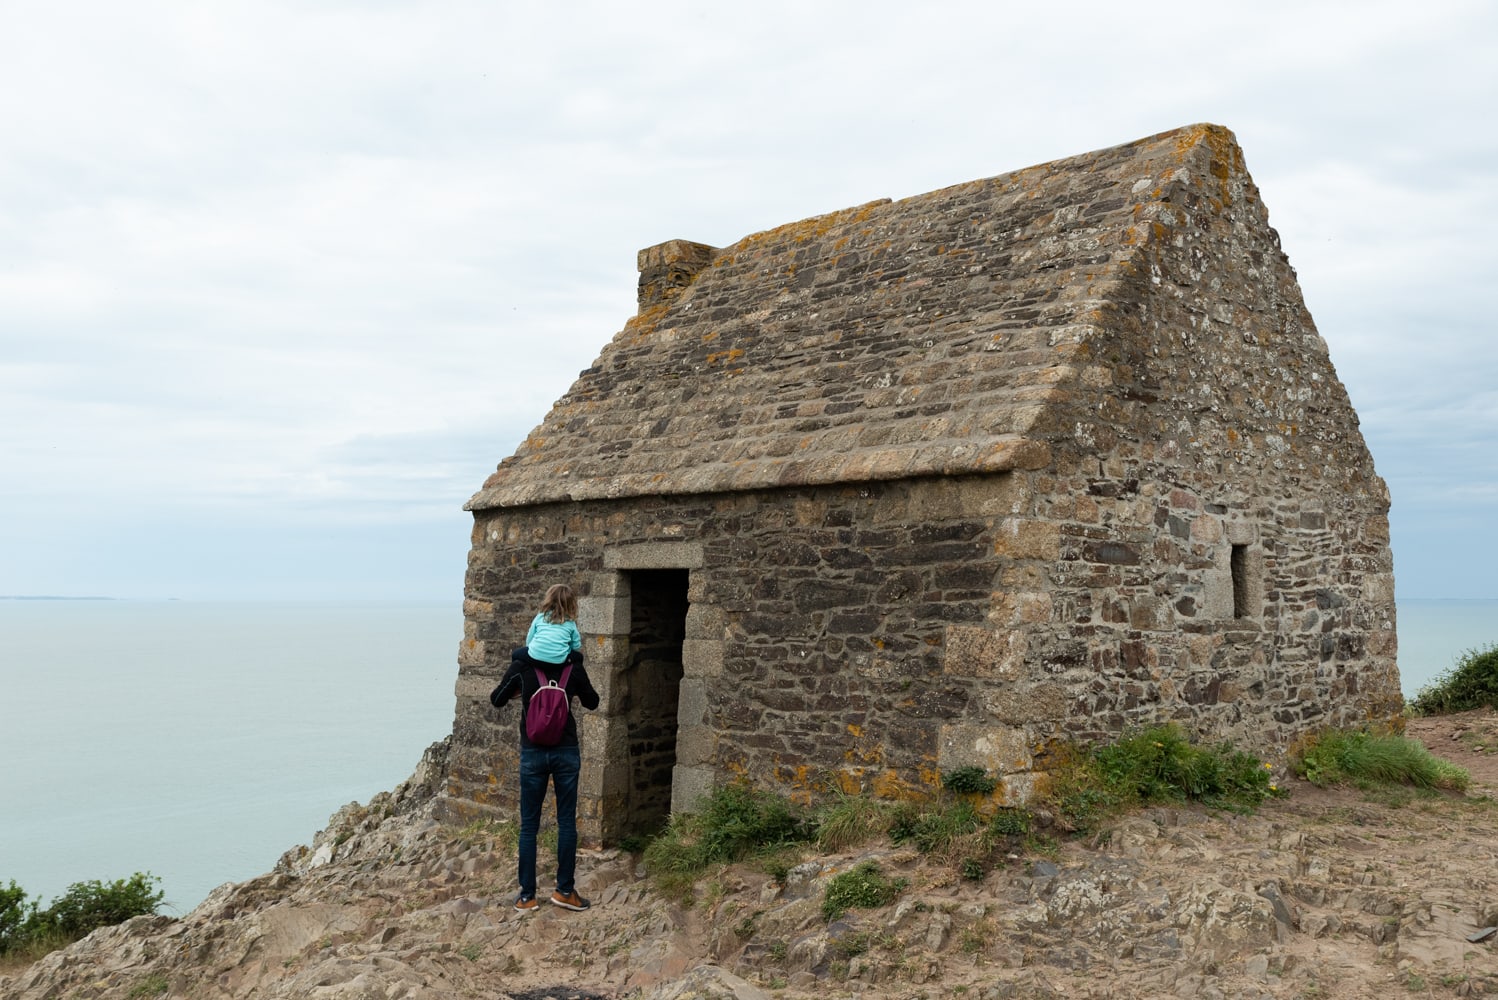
x=667, y=268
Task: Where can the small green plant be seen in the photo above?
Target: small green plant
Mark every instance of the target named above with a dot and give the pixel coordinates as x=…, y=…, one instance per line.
x=1370, y=759
x=935, y=830
x=1472, y=682
x=968, y=780
x=502, y=836
x=1159, y=765
x=1010, y=823
x=973, y=869
x=853, y=945
x=634, y=843
x=153, y=985
x=778, y=867
x=864, y=887
x=976, y=936
x=472, y=952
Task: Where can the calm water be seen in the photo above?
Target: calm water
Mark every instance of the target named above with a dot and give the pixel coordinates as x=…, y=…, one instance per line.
x=200, y=741
x=1432, y=634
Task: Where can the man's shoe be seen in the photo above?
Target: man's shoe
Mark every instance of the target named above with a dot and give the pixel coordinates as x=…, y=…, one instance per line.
x=571, y=901
x=525, y=903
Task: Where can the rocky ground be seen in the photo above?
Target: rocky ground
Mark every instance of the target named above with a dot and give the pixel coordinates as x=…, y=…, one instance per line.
x=1327, y=893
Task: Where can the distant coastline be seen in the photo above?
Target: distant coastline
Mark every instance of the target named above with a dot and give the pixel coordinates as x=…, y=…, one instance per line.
x=51, y=597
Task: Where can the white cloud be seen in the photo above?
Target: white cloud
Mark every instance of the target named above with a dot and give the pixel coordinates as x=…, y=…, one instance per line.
x=289, y=261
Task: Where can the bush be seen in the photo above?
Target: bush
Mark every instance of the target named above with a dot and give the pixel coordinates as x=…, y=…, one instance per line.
x=17, y=914
x=89, y=905
x=1472, y=682
x=1367, y=758
x=1161, y=765
x=86, y=906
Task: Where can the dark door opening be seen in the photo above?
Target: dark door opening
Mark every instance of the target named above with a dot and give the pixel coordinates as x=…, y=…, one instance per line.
x=657, y=629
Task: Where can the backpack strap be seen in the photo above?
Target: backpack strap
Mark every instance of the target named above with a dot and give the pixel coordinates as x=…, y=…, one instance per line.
x=544, y=681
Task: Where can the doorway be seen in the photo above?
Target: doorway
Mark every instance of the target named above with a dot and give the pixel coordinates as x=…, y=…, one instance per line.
x=653, y=671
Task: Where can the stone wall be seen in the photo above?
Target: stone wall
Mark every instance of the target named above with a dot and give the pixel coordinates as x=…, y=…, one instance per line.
x=873, y=636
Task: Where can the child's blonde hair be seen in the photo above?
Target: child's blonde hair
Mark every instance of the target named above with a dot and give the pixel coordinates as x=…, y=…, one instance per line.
x=560, y=604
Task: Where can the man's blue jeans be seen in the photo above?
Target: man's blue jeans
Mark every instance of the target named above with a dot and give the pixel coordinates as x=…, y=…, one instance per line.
x=561, y=765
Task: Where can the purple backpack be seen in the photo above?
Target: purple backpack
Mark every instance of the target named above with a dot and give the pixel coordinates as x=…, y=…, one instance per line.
x=546, y=712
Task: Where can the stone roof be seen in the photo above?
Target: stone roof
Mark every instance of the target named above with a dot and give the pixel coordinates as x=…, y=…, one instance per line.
x=926, y=336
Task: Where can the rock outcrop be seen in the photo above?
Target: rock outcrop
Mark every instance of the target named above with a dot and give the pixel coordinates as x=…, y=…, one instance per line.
x=1325, y=894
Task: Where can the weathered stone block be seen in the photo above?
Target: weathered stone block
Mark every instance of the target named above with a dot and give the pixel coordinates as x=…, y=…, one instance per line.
x=997, y=749
x=702, y=658
x=696, y=746
x=475, y=688
x=654, y=555
x=472, y=653
x=1019, y=704
x=981, y=652
x=1018, y=789
x=1378, y=589
x=1019, y=538
x=704, y=621
x=689, y=786
x=603, y=615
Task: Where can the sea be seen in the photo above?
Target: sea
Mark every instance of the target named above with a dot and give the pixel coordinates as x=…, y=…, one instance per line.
x=198, y=741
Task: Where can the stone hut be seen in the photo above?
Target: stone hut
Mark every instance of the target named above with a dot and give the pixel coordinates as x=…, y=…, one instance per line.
x=930, y=483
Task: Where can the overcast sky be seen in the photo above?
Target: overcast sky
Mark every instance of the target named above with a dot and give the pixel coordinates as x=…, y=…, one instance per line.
x=281, y=283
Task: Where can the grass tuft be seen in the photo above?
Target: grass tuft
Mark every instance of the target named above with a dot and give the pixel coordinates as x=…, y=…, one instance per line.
x=1365, y=758
x=735, y=822
x=865, y=886
x=850, y=820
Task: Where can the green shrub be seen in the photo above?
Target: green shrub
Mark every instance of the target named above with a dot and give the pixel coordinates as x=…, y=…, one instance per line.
x=86, y=906
x=863, y=886
x=1472, y=682
x=89, y=905
x=17, y=914
x=1161, y=765
x=1366, y=758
